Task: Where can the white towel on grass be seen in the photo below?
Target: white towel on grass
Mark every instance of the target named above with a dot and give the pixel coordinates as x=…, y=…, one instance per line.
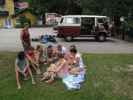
x=73, y=82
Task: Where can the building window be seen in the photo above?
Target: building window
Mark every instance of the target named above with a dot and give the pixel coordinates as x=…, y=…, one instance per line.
x=2, y=2
x=4, y=13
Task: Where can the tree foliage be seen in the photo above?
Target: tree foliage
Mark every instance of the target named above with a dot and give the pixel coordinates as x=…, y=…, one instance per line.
x=100, y=7
x=58, y=6
x=108, y=7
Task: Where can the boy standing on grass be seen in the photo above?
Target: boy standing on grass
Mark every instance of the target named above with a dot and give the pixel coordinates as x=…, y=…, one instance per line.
x=22, y=68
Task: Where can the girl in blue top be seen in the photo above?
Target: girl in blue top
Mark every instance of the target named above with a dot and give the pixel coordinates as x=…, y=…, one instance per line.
x=22, y=68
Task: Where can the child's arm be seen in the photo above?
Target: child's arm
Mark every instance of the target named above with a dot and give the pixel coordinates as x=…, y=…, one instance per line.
x=60, y=66
x=77, y=60
x=37, y=56
x=30, y=59
x=21, y=37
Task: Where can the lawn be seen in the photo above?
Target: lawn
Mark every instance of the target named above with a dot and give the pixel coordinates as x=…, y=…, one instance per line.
x=109, y=77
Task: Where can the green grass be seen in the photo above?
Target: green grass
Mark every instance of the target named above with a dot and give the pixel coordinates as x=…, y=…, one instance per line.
x=109, y=77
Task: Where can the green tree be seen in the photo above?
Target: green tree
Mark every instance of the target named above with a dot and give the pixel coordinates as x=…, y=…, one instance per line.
x=59, y=6
x=108, y=7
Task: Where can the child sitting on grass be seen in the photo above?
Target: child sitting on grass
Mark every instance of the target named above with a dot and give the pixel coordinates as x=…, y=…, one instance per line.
x=48, y=53
x=22, y=68
x=59, y=69
x=52, y=54
x=40, y=54
x=62, y=49
x=33, y=56
x=76, y=62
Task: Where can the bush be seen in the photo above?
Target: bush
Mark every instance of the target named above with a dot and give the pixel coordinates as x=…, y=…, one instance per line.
x=130, y=29
x=22, y=21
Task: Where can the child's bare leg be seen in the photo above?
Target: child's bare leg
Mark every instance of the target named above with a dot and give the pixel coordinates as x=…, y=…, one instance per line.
x=74, y=71
x=51, y=68
x=34, y=67
x=17, y=79
x=38, y=68
x=46, y=75
x=52, y=76
x=33, y=81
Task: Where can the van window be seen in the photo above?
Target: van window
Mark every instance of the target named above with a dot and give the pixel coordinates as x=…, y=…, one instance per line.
x=100, y=20
x=76, y=20
x=88, y=21
x=71, y=20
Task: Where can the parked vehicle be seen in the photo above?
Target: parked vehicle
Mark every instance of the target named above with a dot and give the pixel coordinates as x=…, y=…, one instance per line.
x=52, y=18
x=72, y=26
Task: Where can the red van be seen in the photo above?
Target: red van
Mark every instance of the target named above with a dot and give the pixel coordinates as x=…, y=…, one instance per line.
x=72, y=26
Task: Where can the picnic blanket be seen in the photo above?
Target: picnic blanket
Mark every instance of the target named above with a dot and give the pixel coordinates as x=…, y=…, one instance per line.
x=74, y=81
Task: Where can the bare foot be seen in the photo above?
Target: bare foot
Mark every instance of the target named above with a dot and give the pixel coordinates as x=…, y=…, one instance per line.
x=26, y=78
x=33, y=82
x=43, y=79
x=19, y=87
x=50, y=81
x=38, y=72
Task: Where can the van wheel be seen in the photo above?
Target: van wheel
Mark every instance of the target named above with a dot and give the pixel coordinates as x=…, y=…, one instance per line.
x=68, y=38
x=101, y=38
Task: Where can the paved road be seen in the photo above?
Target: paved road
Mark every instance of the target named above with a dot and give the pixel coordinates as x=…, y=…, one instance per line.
x=10, y=41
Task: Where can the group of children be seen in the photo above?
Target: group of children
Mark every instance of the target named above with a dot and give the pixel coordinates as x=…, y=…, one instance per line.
x=60, y=60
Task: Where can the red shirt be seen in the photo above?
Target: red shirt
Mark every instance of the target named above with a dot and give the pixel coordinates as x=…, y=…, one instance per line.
x=25, y=36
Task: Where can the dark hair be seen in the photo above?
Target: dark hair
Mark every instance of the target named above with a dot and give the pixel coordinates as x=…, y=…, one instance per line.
x=31, y=48
x=72, y=46
x=21, y=55
x=38, y=47
x=73, y=50
x=60, y=55
x=59, y=47
x=50, y=46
